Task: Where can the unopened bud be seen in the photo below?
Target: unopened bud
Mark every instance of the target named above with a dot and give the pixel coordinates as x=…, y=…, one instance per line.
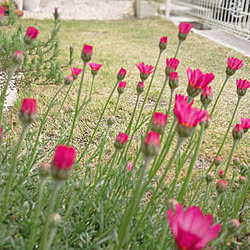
x=209, y=177
x=221, y=186
x=172, y=203
x=221, y=173
x=163, y=43
x=233, y=225
x=68, y=80
x=121, y=74
x=55, y=220
x=236, y=161
x=111, y=120
x=242, y=179
x=140, y=88
x=237, y=132
x=44, y=170
x=121, y=87
x=217, y=161
x=120, y=140
x=151, y=144
x=17, y=57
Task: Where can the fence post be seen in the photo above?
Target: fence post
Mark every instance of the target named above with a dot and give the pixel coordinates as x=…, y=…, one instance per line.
x=167, y=9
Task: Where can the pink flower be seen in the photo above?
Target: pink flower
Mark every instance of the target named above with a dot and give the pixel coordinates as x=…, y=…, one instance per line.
x=173, y=80
x=145, y=70
x=163, y=43
x=87, y=52
x=140, y=87
x=159, y=122
x=28, y=111
x=197, y=81
x=191, y=229
x=17, y=57
x=221, y=173
x=245, y=123
x=188, y=117
x=1, y=133
x=1, y=12
x=234, y=63
x=75, y=72
x=129, y=166
x=121, y=74
x=238, y=132
x=63, y=161
x=120, y=140
x=171, y=65
x=121, y=87
x=206, y=96
x=31, y=35
x=94, y=68
x=242, y=86
x=151, y=144
x=184, y=29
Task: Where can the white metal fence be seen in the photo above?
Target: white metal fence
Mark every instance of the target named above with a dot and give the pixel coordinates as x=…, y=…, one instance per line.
x=230, y=15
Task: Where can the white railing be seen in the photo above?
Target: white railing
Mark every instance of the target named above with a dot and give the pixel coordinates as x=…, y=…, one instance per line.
x=230, y=15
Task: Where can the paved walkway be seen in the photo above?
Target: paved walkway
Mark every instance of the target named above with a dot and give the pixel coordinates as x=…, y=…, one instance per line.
x=83, y=9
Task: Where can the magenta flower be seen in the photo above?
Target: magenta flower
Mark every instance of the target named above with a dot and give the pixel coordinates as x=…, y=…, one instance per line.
x=121, y=74
x=197, y=81
x=87, y=52
x=242, y=86
x=1, y=12
x=233, y=64
x=94, y=68
x=1, y=133
x=159, y=122
x=121, y=87
x=120, y=140
x=31, y=35
x=173, y=80
x=28, y=111
x=184, y=29
x=63, y=161
x=238, y=132
x=145, y=70
x=171, y=65
x=140, y=87
x=245, y=123
x=221, y=173
x=163, y=43
x=151, y=144
x=75, y=72
x=191, y=229
x=206, y=96
x=188, y=117
x=129, y=166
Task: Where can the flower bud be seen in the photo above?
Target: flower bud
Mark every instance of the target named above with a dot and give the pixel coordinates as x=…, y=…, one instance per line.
x=209, y=177
x=221, y=186
x=207, y=121
x=75, y=72
x=111, y=120
x=221, y=173
x=120, y=140
x=163, y=43
x=159, y=122
x=151, y=144
x=173, y=80
x=129, y=166
x=44, y=170
x=237, y=132
x=87, y=53
x=17, y=57
x=217, y=161
x=56, y=14
x=140, y=88
x=55, y=220
x=121, y=87
x=236, y=161
x=233, y=225
x=68, y=80
x=121, y=74
x=171, y=65
x=206, y=96
x=242, y=86
x=242, y=179
x=172, y=203
x=28, y=111
x=31, y=35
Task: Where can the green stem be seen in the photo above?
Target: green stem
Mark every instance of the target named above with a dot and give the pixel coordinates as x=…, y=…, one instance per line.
x=162, y=179
x=216, y=203
x=36, y=215
x=206, y=195
x=124, y=228
x=69, y=208
x=11, y=174
x=218, y=97
x=4, y=91
x=44, y=237
x=77, y=104
x=118, y=98
x=51, y=237
x=225, y=137
x=190, y=169
x=102, y=145
x=234, y=174
x=230, y=157
x=177, y=49
x=97, y=125
x=170, y=101
x=92, y=84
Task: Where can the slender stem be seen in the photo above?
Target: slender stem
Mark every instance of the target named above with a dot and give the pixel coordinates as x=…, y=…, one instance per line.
x=36, y=215
x=118, y=98
x=77, y=104
x=69, y=208
x=228, y=129
x=170, y=101
x=234, y=173
x=44, y=237
x=92, y=84
x=136, y=197
x=133, y=115
x=97, y=125
x=190, y=169
x=4, y=91
x=51, y=237
x=216, y=203
x=11, y=174
x=102, y=145
x=230, y=157
x=218, y=97
x=179, y=143
x=206, y=196
x=177, y=49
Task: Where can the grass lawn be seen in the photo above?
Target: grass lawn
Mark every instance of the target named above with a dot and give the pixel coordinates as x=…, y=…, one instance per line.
x=127, y=42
